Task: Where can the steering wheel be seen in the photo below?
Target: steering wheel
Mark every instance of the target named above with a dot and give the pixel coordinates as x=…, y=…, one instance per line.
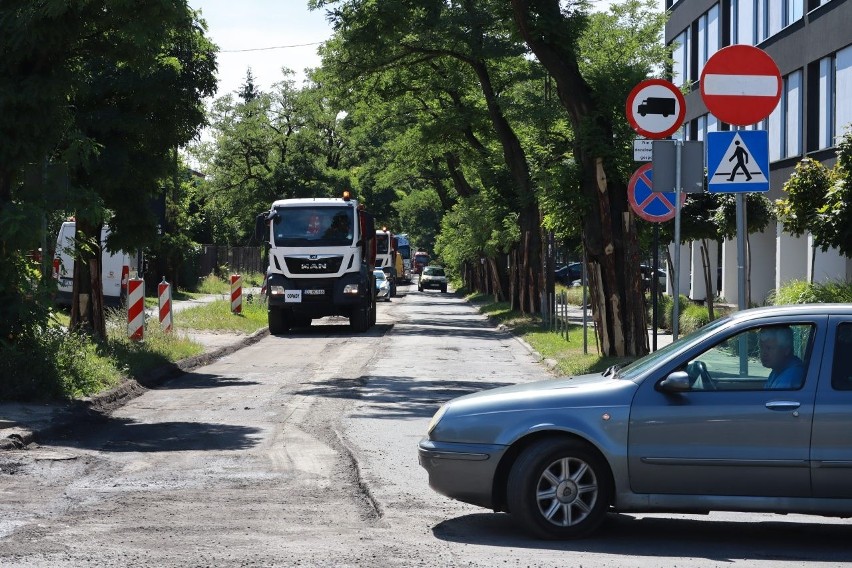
x=698, y=369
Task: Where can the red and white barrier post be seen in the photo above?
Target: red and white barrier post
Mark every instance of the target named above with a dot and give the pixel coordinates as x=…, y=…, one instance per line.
x=136, y=309
x=236, y=293
x=164, y=297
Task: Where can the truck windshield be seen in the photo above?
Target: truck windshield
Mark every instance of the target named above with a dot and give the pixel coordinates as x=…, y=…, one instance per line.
x=404, y=250
x=314, y=226
x=382, y=243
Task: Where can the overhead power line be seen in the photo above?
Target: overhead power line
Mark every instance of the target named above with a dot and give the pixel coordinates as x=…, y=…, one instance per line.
x=268, y=48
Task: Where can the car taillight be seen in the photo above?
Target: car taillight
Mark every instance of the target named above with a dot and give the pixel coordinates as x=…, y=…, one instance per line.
x=56, y=268
x=125, y=277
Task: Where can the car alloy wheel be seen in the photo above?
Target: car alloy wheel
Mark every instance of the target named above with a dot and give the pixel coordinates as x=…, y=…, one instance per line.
x=559, y=489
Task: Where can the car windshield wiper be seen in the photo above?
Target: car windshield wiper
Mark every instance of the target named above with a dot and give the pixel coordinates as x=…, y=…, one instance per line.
x=613, y=370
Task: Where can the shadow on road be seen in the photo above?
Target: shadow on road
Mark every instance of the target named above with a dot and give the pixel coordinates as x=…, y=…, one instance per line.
x=394, y=397
x=655, y=537
x=121, y=435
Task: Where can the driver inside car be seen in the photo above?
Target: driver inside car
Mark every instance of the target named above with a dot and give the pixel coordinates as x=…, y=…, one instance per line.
x=776, y=353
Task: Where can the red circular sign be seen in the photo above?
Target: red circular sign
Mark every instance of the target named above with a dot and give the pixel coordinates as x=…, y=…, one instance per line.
x=740, y=85
x=655, y=108
x=653, y=206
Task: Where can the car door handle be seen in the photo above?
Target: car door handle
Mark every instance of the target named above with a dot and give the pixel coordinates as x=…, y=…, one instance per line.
x=783, y=405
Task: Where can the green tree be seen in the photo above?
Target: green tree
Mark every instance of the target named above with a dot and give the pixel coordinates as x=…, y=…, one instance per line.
x=819, y=201
x=594, y=70
x=455, y=39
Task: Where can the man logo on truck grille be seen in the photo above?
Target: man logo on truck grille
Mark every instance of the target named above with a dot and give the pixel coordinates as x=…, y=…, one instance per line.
x=315, y=266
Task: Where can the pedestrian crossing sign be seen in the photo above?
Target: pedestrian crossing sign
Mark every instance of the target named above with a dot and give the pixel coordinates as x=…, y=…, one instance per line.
x=738, y=161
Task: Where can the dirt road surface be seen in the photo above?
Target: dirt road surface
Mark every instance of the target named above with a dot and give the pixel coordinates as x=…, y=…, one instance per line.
x=300, y=450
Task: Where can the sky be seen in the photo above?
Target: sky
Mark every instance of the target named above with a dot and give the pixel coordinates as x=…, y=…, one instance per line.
x=265, y=35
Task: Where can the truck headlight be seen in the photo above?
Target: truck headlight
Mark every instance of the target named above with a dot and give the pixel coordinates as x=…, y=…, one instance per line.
x=350, y=290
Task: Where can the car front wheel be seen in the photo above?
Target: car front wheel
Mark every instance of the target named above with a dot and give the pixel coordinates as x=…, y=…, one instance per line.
x=559, y=489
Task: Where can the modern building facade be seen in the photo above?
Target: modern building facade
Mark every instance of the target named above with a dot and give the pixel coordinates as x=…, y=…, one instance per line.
x=811, y=42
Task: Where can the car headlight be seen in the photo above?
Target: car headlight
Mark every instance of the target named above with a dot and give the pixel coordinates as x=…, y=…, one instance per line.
x=276, y=290
x=435, y=419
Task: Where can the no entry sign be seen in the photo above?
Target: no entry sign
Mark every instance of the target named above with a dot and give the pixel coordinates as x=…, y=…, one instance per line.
x=652, y=206
x=740, y=85
x=655, y=108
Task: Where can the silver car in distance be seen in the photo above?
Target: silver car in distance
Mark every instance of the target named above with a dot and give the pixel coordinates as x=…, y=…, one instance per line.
x=753, y=412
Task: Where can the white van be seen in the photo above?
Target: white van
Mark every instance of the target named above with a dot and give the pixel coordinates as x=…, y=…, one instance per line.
x=115, y=268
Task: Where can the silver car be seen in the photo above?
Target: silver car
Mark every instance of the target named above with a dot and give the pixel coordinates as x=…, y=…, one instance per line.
x=753, y=412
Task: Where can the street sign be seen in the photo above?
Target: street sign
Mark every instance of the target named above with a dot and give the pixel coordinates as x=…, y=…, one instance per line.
x=691, y=166
x=655, y=108
x=652, y=206
x=642, y=150
x=738, y=161
x=740, y=84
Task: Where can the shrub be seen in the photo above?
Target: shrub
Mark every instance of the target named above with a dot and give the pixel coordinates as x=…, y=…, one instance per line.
x=693, y=317
x=802, y=292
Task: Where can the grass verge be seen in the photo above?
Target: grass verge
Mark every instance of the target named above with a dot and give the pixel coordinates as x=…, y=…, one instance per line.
x=567, y=353
x=56, y=364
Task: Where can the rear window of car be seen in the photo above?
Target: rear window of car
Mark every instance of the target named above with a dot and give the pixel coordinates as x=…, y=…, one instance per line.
x=841, y=366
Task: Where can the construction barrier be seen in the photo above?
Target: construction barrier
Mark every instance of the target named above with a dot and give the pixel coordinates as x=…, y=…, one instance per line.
x=164, y=296
x=136, y=309
x=236, y=293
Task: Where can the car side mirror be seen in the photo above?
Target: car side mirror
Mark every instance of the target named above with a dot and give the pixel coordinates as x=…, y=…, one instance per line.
x=677, y=381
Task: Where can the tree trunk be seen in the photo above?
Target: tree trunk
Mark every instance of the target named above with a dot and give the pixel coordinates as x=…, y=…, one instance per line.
x=87, y=296
x=708, y=283
x=609, y=234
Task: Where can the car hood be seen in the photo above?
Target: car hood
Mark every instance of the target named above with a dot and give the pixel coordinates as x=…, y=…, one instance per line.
x=500, y=415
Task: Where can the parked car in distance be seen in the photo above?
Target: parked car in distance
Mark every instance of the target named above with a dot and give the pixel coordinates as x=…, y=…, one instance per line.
x=383, y=286
x=432, y=277
x=646, y=277
x=568, y=274
x=752, y=412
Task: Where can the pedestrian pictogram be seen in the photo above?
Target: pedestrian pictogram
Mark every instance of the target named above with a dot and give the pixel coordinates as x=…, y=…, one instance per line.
x=740, y=84
x=655, y=108
x=652, y=206
x=738, y=161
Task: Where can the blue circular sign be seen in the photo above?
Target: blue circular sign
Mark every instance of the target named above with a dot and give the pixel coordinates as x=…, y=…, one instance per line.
x=653, y=206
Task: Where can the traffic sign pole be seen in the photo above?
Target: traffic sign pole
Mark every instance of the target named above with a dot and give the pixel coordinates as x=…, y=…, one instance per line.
x=676, y=279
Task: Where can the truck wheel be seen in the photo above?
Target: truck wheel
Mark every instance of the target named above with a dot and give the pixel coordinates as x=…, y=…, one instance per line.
x=278, y=322
x=359, y=321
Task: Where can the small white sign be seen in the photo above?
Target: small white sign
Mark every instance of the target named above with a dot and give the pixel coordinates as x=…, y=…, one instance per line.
x=292, y=296
x=642, y=150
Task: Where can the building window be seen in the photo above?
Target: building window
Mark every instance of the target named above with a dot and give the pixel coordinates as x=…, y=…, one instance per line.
x=709, y=36
x=793, y=114
x=793, y=12
x=680, y=66
x=825, y=103
x=785, y=122
x=743, y=24
x=843, y=91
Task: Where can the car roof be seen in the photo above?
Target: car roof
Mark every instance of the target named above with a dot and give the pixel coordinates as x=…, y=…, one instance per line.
x=787, y=310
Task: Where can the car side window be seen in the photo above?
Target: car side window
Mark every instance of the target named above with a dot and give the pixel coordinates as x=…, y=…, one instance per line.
x=841, y=365
x=770, y=357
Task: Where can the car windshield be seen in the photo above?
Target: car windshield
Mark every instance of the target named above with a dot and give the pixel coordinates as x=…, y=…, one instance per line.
x=432, y=271
x=379, y=274
x=639, y=366
x=314, y=226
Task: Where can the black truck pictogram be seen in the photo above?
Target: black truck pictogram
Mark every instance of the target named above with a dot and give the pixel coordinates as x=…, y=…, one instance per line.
x=657, y=105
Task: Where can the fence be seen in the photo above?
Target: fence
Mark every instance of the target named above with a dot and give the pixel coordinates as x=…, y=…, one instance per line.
x=237, y=259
